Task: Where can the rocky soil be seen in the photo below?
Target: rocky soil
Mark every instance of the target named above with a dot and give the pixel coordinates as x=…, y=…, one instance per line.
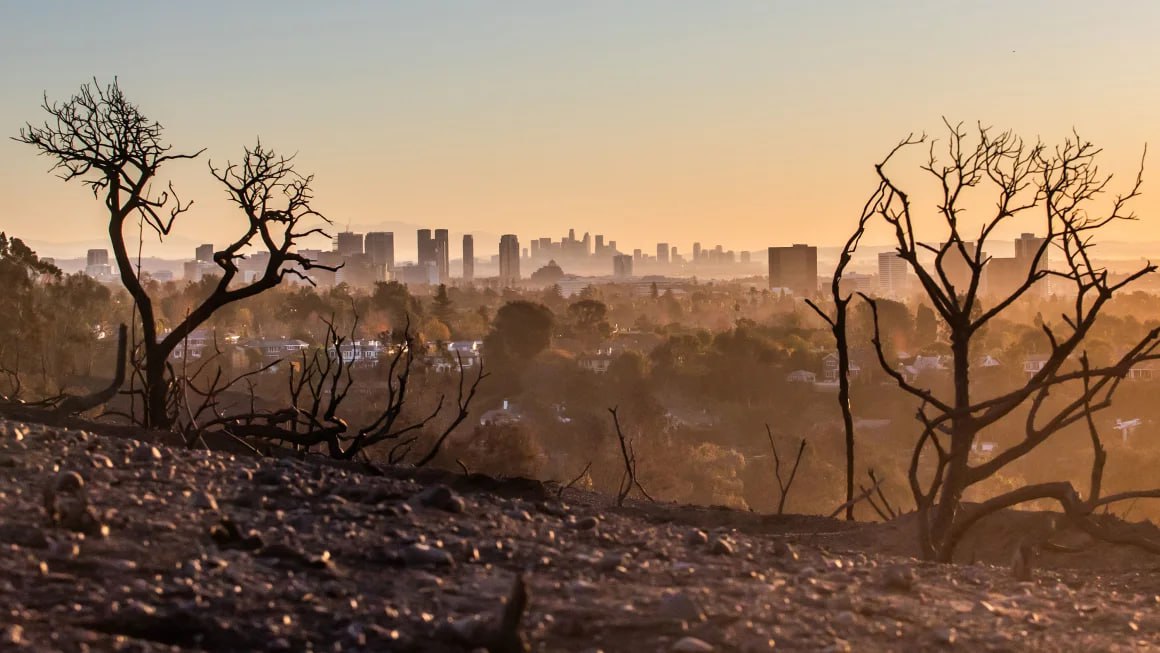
x=109, y=543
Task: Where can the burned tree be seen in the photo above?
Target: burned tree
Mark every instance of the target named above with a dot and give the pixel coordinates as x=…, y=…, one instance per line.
x=100, y=138
x=784, y=486
x=320, y=384
x=1058, y=190
x=837, y=324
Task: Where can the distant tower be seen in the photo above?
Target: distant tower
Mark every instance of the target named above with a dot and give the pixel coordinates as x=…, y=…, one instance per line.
x=380, y=247
x=637, y=255
x=468, y=257
x=97, y=257
x=442, y=255
x=203, y=253
x=662, y=252
x=794, y=269
x=348, y=243
x=509, y=260
x=622, y=266
x=599, y=244
x=696, y=252
x=426, y=245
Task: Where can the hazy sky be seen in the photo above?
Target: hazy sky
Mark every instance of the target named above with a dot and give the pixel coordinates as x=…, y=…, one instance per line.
x=744, y=123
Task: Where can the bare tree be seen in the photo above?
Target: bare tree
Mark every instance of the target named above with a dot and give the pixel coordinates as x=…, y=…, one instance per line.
x=837, y=324
x=784, y=487
x=322, y=381
x=1058, y=189
x=106, y=142
x=629, y=480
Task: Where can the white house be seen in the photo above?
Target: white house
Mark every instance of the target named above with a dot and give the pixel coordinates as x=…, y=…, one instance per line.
x=801, y=376
x=598, y=361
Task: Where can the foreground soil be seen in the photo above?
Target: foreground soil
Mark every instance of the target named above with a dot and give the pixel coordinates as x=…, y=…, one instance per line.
x=109, y=543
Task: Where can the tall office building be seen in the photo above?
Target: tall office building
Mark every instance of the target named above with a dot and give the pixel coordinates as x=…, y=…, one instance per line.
x=509, y=260
x=599, y=244
x=203, y=253
x=958, y=268
x=794, y=269
x=637, y=255
x=97, y=257
x=347, y=243
x=442, y=255
x=662, y=252
x=622, y=266
x=469, y=257
x=426, y=247
x=673, y=256
x=892, y=272
x=696, y=252
x=380, y=247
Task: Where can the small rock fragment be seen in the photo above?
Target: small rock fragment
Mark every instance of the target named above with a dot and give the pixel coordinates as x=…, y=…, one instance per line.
x=692, y=645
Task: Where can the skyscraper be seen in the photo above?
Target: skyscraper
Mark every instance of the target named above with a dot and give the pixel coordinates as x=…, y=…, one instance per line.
x=662, y=252
x=892, y=272
x=469, y=257
x=696, y=252
x=794, y=269
x=509, y=260
x=203, y=253
x=348, y=243
x=442, y=255
x=426, y=251
x=97, y=257
x=622, y=266
x=380, y=247
x=599, y=244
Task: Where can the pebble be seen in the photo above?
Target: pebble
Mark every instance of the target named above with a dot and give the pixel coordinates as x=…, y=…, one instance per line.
x=692, y=645
x=146, y=453
x=587, y=523
x=204, y=500
x=899, y=577
x=721, y=547
x=681, y=606
x=697, y=537
x=440, y=497
x=420, y=555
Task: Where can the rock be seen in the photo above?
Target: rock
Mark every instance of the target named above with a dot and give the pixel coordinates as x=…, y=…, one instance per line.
x=681, y=606
x=12, y=635
x=721, y=547
x=146, y=453
x=786, y=551
x=899, y=578
x=697, y=537
x=945, y=636
x=587, y=523
x=101, y=461
x=204, y=500
x=692, y=645
x=422, y=555
x=440, y=497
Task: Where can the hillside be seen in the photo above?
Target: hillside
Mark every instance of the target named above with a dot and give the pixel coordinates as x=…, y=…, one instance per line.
x=110, y=543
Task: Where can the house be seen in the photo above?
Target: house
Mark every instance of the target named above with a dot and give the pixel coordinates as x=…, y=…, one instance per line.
x=193, y=345
x=455, y=356
x=360, y=352
x=830, y=368
x=272, y=348
x=1144, y=371
x=598, y=361
x=1034, y=363
x=988, y=362
x=506, y=414
x=801, y=376
x=910, y=371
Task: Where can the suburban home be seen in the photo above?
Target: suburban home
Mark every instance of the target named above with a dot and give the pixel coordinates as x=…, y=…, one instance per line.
x=1144, y=371
x=598, y=361
x=801, y=376
x=988, y=362
x=361, y=352
x=830, y=368
x=1033, y=363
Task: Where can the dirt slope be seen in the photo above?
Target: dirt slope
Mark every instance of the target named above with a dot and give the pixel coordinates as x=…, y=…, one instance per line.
x=153, y=548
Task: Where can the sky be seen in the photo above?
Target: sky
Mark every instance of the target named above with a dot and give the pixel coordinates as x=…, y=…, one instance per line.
x=744, y=123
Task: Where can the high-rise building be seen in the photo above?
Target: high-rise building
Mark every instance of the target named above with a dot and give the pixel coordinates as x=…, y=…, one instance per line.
x=637, y=255
x=957, y=267
x=696, y=252
x=892, y=275
x=469, y=257
x=599, y=244
x=746, y=257
x=794, y=269
x=509, y=260
x=442, y=255
x=662, y=252
x=622, y=266
x=673, y=256
x=426, y=244
x=348, y=243
x=203, y=253
x=612, y=247
x=97, y=257
x=380, y=247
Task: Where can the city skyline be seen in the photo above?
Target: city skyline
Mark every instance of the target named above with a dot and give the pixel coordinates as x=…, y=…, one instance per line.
x=731, y=115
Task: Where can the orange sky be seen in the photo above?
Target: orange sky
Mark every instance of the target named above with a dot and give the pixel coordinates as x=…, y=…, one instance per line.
x=744, y=123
